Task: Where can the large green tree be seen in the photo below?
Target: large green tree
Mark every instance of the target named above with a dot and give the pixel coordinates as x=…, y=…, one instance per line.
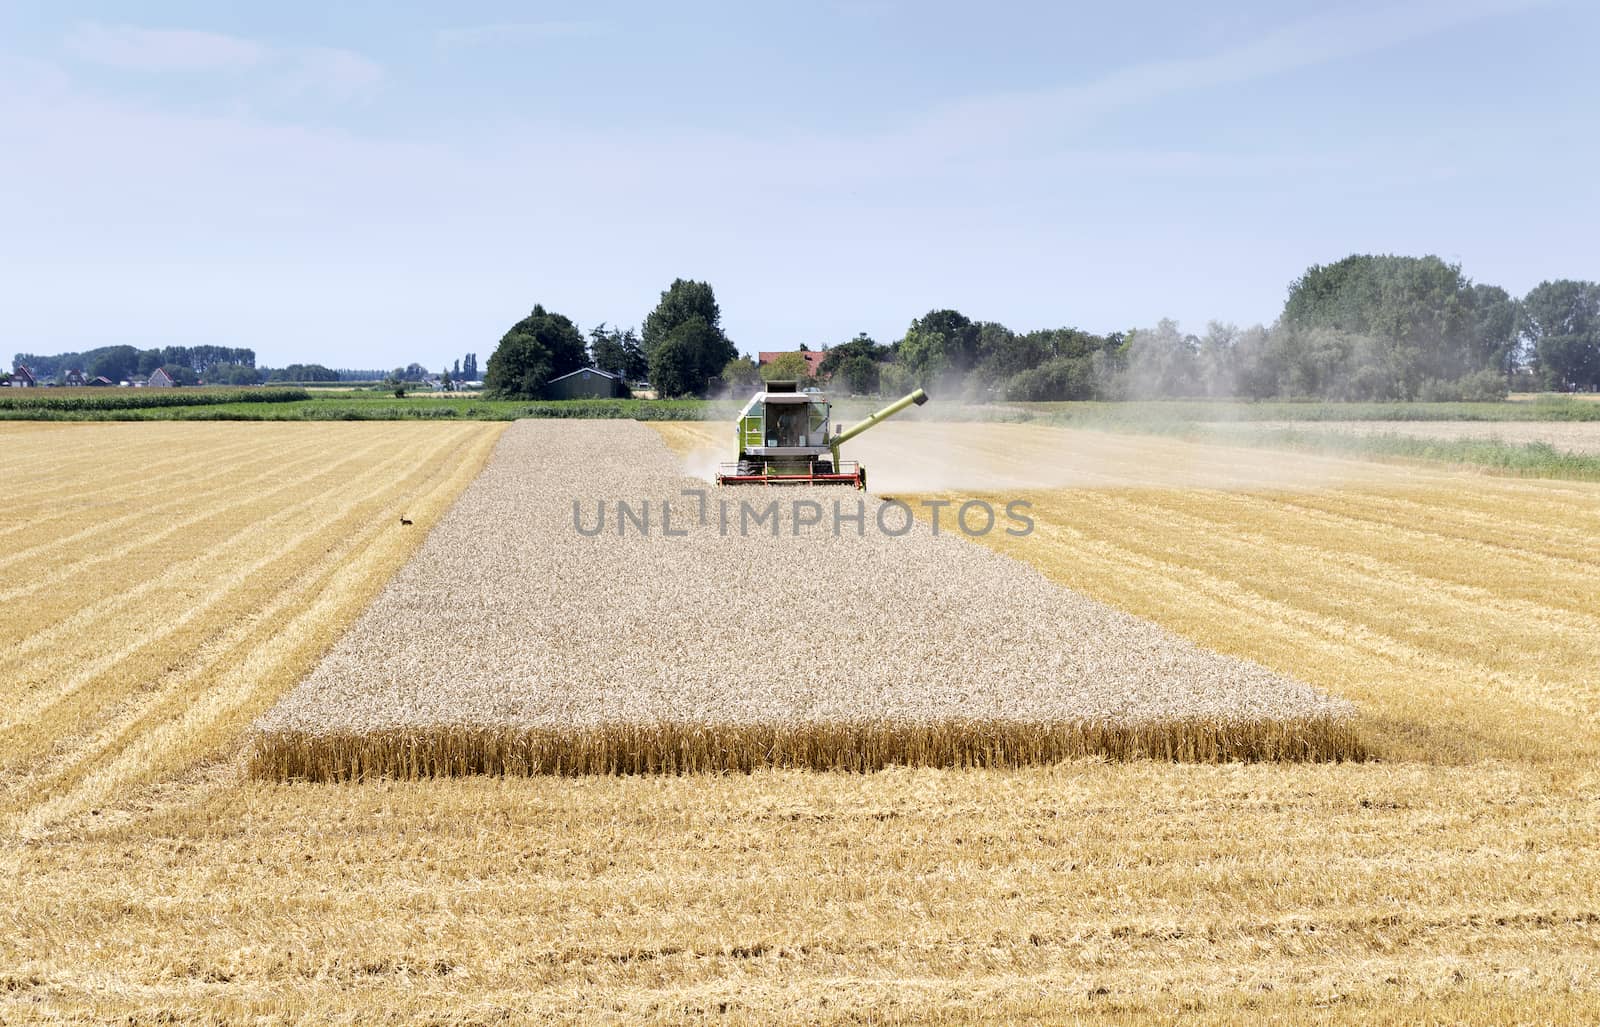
x=1406, y=320
x=686, y=361
x=181, y=374
x=542, y=346
x=1561, y=320
x=939, y=344
x=605, y=348
x=1056, y=379
x=617, y=350
x=1498, y=319
x=1003, y=354
x=1162, y=361
x=681, y=301
x=114, y=362
x=858, y=376
x=740, y=373
x=863, y=345
x=672, y=365
x=689, y=319
x=232, y=374
x=304, y=373
x=788, y=367
x=851, y=368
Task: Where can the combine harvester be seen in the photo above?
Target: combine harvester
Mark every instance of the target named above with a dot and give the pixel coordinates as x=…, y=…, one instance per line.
x=784, y=440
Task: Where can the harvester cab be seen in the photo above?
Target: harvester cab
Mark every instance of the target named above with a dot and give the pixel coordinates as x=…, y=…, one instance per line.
x=786, y=437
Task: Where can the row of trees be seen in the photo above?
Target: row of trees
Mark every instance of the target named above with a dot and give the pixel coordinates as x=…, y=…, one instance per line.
x=464, y=369
x=216, y=365
x=1379, y=328
x=119, y=363
x=295, y=373
x=681, y=347
x=1364, y=328
x=1561, y=322
x=618, y=351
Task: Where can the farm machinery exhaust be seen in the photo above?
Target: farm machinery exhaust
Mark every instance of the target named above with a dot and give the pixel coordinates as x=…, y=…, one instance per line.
x=786, y=438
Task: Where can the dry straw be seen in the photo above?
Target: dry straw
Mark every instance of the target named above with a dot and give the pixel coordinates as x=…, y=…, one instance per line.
x=513, y=644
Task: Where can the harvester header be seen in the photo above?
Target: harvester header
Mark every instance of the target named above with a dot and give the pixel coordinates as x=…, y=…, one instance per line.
x=786, y=437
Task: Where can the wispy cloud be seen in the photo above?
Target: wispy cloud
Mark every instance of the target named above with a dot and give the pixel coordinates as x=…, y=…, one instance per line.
x=141, y=49
x=1314, y=41
x=294, y=71
x=521, y=31
x=339, y=74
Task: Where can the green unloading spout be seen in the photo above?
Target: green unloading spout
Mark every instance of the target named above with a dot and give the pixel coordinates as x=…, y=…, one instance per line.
x=918, y=398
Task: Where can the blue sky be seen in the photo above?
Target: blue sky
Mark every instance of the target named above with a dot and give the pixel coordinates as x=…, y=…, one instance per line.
x=368, y=184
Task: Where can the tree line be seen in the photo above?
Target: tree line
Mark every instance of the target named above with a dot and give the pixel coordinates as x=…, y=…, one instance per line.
x=681, y=347
x=218, y=365
x=1381, y=328
x=185, y=364
x=1368, y=327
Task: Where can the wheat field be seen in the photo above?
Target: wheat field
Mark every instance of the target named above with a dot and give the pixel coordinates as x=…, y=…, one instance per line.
x=164, y=583
x=725, y=647
x=1452, y=880
x=1461, y=611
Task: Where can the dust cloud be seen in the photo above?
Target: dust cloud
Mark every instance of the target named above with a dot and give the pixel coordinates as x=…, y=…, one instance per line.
x=910, y=457
x=706, y=459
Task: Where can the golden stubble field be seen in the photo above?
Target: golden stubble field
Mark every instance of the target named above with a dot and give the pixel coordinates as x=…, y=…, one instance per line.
x=160, y=581
x=1453, y=880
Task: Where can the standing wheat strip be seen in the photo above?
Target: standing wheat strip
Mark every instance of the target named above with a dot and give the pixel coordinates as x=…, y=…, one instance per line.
x=512, y=643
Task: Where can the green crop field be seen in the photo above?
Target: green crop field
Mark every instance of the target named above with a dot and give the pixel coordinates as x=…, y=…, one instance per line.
x=91, y=403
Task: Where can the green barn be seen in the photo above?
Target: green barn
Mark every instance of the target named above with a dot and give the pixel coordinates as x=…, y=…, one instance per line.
x=586, y=383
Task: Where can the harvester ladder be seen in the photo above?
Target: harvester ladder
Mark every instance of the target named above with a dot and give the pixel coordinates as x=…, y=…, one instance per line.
x=752, y=433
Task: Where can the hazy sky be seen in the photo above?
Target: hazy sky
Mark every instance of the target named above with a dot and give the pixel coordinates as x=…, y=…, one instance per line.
x=367, y=184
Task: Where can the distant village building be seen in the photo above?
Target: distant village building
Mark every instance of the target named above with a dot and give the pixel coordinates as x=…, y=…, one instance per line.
x=586, y=383
x=438, y=384
x=814, y=359
x=22, y=378
x=75, y=377
x=159, y=379
x=102, y=381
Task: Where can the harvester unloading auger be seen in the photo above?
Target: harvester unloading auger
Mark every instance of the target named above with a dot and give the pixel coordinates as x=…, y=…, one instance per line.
x=784, y=439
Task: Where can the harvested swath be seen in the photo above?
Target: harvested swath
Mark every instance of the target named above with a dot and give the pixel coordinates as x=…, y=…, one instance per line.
x=512, y=643
x=157, y=603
